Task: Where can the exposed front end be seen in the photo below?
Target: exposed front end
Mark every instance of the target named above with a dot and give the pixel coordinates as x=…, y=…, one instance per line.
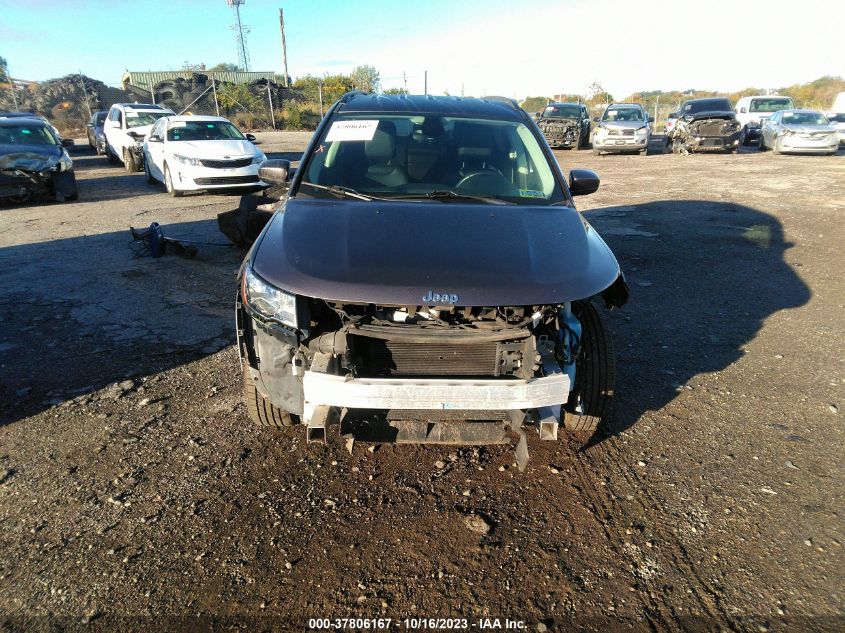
x=708, y=134
x=561, y=133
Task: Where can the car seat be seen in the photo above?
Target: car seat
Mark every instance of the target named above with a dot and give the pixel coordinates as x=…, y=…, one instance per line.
x=380, y=155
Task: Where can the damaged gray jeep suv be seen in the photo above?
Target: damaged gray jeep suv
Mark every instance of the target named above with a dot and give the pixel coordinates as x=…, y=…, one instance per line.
x=427, y=278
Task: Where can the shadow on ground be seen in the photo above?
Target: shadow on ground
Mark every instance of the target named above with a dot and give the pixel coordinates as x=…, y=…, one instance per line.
x=704, y=277
x=81, y=313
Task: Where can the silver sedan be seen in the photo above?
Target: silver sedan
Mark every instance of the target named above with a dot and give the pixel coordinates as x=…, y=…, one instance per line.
x=798, y=131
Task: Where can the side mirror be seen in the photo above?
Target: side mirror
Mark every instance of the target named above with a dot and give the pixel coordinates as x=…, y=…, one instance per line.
x=68, y=142
x=90, y=125
x=155, y=138
x=651, y=119
x=275, y=172
x=250, y=137
x=596, y=119
x=583, y=182
x=673, y=115
x=743, y=110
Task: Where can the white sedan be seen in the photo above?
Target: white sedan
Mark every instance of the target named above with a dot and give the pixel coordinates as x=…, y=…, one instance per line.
x=193, y=153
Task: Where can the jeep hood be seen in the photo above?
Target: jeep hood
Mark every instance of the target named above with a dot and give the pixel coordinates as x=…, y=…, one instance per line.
x=396, y=252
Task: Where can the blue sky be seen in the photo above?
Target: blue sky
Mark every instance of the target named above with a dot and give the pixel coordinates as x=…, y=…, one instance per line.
x=486, y=47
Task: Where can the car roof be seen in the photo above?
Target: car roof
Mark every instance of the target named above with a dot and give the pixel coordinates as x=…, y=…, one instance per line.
x=196, y=117
x=622, y=103
x=29, y=120
x=707, y=99
x=141, y=106
x=18, y=115
x=560, y=103
x=486, y=107
x=800, y=110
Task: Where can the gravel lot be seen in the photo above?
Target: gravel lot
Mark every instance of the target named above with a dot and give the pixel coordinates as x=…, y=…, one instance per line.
x=134, y=491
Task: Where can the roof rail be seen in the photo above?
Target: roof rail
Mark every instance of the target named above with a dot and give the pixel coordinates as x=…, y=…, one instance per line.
x=352, y=93
x=505, y=100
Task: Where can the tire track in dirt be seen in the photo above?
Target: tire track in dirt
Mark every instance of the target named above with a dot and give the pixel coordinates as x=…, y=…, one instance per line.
x=701, y=590
x=601, y=507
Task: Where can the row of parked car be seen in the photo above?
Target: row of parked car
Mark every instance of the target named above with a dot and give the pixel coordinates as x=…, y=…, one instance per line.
x=709, y=124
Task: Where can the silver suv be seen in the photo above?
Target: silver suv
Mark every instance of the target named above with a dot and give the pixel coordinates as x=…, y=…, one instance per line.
x=623, y=128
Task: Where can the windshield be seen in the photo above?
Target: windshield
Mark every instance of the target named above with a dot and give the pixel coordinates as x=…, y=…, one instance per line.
x=27, y=135
x=101, y=118
x=407, y=155
x=707, y=105
x=203, y=131
x=140, y=119
x=836, y=118
x=568, y=111
x=622, y=113
x=804, y=118
x=770, y=105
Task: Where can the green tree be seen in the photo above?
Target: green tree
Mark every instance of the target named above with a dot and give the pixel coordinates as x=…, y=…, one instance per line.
x=4, y=70
x=232, y=96
x=224, y=67
x=534, y=104
x=394, y=91
x=366, y=78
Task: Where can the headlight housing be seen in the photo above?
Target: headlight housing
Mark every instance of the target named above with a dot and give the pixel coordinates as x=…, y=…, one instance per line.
x=65, y=162
x=642, y=130
x=267, y=300
x=187, y=160
x=257, y=160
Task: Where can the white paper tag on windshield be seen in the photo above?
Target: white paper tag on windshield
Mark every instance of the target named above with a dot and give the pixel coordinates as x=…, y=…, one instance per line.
x=352, y=131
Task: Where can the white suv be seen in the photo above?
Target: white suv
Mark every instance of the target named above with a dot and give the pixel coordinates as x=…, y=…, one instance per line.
x=750, y=111
x=125, y=128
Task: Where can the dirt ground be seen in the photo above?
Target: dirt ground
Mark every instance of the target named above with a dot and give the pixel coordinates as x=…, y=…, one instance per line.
x=134, y=491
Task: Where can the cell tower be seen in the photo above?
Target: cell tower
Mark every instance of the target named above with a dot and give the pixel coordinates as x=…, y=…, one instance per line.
x=241, y=31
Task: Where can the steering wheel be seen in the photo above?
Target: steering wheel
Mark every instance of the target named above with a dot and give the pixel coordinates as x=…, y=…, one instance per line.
x=484, y=182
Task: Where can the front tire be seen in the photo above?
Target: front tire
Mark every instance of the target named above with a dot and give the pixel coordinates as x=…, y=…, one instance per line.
x=589, y=402
x=147, y=173
x=260, y=409
x=168, y=183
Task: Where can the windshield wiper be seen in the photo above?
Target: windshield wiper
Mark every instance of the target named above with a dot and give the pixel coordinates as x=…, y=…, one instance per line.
x=340, y=190
x=447, y=194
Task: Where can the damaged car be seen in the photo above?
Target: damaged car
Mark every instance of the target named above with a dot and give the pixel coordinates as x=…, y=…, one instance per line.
x=565, y=125
x=34, y=163
x=427, y=278
x=706, y=125
x=125, y=128
x=799, y=132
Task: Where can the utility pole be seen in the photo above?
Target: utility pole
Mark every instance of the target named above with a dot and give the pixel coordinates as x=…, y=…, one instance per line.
x=284, y=46
x=462, y=89
x=425, y=83
x=214, y=89
x=656, y=105
x=405, y=80
x=270, y=99
x=320, y=92
x=85, y=94
x=152, y=94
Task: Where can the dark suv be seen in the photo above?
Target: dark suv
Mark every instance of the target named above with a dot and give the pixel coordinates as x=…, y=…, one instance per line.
x=565, y=125
x=706, y=125
x=428, y=276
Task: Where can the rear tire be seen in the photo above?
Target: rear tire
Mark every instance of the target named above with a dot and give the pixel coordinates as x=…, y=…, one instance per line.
x=260, y=409
x=589, y=402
